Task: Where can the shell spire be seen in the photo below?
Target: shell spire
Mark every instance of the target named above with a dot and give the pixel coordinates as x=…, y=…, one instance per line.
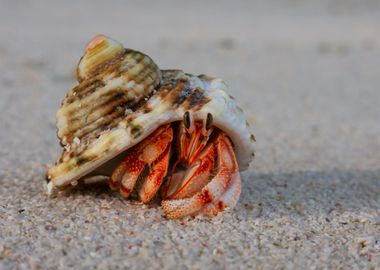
x=111, y=79
x=99, y=51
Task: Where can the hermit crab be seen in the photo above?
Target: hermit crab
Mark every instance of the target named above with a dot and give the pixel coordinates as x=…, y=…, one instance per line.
x=154, y=133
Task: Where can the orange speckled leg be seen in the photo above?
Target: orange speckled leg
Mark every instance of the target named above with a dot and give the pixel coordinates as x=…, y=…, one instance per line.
x=131, y=175
x=214, y=190
x=143, y=154
x=150, y=185
x=227, y=201
x=118, y=173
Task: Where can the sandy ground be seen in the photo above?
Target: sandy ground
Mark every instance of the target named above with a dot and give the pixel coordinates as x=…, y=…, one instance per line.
x=307, y=74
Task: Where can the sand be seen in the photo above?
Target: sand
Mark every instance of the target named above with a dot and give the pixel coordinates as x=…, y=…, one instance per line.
x=306, y=73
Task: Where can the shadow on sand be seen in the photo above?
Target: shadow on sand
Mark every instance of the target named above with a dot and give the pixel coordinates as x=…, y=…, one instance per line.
x=309, y=193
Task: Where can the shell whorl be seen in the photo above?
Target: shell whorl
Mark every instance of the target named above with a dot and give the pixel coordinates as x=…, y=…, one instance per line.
x=111, y=80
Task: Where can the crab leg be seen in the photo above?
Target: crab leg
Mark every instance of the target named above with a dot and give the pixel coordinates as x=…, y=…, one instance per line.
x=143, y=154
x=118, y=173
x=214, y=190
x=184, y=184
x=128, y=180
x=230, y=197
x=150, y=185
x=227, y=200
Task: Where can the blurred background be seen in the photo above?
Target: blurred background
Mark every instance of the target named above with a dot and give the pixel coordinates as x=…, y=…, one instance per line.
x=307, y=74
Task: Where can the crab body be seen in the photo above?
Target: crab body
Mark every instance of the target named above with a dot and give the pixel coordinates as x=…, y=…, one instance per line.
x=155, y=132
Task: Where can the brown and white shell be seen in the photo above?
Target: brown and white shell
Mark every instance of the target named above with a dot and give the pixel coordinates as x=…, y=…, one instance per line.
x=122, y=97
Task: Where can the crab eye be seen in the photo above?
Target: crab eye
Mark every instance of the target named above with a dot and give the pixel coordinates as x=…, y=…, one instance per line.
x=209, y=121
x=186, y=120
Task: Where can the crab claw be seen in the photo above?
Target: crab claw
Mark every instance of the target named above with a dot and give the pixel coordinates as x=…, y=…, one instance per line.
x=153, y=155
x=221, y=188
x=185, y=183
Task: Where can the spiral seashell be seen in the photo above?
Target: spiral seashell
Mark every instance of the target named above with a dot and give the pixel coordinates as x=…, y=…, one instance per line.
x=122, y=97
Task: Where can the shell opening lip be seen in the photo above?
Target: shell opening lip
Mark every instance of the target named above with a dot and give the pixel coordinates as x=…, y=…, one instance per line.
x=106, y=166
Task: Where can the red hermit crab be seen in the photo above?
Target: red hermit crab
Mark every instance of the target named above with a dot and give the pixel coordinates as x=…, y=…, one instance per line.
x=154, y=133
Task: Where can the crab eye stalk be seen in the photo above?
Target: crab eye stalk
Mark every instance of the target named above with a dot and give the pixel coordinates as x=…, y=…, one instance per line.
x=188, y=122
x=209, y=121
x=207, y=125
